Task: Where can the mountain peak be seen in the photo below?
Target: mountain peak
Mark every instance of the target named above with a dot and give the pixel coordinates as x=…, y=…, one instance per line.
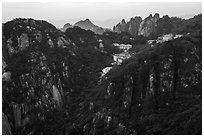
x=149, y=17
x=123, y=21
x=66, y=26
x=88, y=25
x=156, y=15
x=87, y=20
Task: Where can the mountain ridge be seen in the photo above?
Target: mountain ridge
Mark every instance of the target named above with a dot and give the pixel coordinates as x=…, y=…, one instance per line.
x=152, y=26
x=85, y=24
x=135, y=26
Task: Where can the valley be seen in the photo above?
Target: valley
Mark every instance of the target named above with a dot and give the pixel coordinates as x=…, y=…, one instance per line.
x=143, y=77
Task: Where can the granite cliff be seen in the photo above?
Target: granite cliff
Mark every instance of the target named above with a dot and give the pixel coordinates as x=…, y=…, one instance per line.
x=148, y=25
x=137, y=26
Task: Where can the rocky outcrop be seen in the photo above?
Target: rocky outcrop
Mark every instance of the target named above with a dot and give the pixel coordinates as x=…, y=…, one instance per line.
x=148, y=25
x=88, y=25
x=137, y=26
x=121, y=27
x=133, y=25
x=31, y=51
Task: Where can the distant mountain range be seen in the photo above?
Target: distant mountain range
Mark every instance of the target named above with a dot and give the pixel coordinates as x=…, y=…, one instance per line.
x=151, y=26
x=85, y=24
x=88, y=25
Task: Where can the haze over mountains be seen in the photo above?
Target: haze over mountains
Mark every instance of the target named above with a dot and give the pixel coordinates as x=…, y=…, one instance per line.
x=60, y=13
x=107, y=23
x=135, y=26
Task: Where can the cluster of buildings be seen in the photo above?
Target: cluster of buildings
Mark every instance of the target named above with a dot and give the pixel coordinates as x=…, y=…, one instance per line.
x=124, y=47
x=119, y=58
x=164, y=38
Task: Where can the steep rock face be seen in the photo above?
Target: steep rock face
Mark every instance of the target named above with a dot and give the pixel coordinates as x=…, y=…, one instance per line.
x=88, y=25
x=31, y=50
x=121, y=27
x=49, y=61
x=137, y=26
x=66, y=26
x=133, y=25
x=148, y=25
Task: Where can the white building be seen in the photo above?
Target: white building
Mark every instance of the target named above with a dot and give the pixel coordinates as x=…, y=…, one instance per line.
x=168, y=37
x=119, y=58
x=124, y=47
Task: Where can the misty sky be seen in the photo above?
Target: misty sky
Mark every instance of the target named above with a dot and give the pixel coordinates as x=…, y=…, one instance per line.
x=102, y=14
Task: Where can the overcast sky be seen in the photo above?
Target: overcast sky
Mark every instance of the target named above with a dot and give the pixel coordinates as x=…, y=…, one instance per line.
x=103, y=14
